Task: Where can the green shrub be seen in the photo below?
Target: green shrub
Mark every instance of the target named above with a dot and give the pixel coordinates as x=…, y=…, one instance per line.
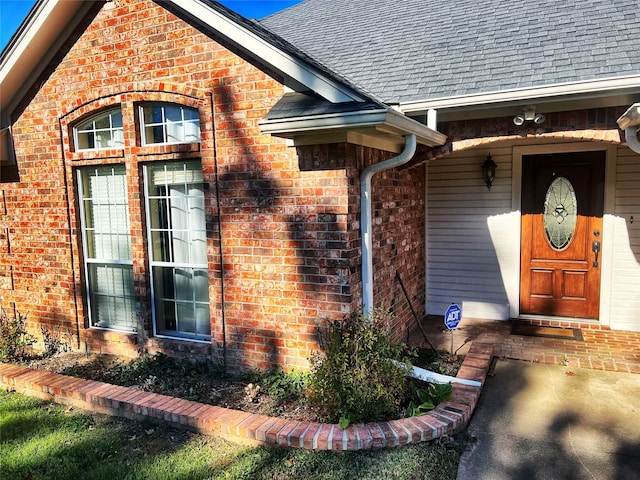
x=14, y=337
x=434, y=394
x=355, y=378
x=283, y=386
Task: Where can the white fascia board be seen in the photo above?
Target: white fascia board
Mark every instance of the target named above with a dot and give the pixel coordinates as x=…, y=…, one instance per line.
x=592, y=87
x=384, y=120
x=323, y=122
x=38, y=41
x=279, y=60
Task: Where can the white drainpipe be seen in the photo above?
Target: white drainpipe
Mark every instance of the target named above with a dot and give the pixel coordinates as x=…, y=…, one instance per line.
x=365, y=216
x=631, y=136
x=630, y=122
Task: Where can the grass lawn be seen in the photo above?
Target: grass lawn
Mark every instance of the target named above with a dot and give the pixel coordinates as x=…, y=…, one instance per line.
x=42, y=440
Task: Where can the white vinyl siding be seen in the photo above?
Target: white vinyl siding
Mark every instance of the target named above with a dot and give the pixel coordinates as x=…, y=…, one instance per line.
x=470, y=235
x=625, y=284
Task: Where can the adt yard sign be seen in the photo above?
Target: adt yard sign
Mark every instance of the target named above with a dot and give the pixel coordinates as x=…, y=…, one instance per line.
x=452, y=316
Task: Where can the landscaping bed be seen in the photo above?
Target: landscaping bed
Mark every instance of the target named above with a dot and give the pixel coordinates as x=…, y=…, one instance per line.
x=272, y=393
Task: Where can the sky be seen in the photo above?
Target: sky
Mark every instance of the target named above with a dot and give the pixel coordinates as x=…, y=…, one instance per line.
x=13, y=12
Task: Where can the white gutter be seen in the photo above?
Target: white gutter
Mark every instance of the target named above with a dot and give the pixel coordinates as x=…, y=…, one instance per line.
x=365, y=216
x=385, y=120
x=518, y=94
x=629, y=122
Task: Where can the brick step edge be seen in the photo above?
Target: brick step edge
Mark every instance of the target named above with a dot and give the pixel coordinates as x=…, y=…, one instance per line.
x=250, y=428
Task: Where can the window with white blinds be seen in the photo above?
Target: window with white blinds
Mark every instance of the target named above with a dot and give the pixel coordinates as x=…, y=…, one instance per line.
x=107, y=247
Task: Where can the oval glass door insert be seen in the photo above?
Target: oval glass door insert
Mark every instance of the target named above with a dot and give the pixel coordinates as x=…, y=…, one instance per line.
x=560, y=213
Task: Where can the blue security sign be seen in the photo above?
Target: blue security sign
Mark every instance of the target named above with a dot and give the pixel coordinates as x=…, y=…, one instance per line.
x=452, y=316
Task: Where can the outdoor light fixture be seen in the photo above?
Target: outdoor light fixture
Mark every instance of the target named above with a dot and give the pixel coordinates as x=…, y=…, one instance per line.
x=528, y=115
x=489, y=171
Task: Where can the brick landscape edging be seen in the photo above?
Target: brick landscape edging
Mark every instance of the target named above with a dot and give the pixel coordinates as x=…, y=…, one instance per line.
x=448, y=417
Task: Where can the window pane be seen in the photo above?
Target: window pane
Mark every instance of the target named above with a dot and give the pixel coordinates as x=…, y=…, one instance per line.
x=102, y=122
x=170, y=124
x=165, y=317
x=107, y=247
x=191, y=114
x=201, y=286
x=111, y=296
x=203, y=320
x=173, y=113
x=192, y=132
x=116, y=119
x=186, y=318
x=176, y=310
x=177, y=234
x=102, y=131
x=106, y=220
x=152, y=114
x=154, y=134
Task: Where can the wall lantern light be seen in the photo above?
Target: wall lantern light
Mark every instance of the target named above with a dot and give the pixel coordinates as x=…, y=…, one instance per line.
x=528, y=115
x=489, y=171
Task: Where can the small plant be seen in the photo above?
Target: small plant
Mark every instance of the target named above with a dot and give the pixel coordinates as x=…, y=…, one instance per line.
x=14, y=338
x=434, y=394
x=283, y=386
x=53, y=342
x=355, y=378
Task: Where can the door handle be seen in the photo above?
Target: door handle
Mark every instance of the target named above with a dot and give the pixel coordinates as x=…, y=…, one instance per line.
x=595, y=248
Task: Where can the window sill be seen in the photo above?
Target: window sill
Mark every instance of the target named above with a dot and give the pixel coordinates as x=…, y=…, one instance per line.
x=165, y=149
x=95, y=154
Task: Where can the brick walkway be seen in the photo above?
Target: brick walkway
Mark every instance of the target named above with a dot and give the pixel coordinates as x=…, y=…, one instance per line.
x=601, y=349
x=448, y=417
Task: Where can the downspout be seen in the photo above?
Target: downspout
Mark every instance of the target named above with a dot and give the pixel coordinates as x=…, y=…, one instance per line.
x=366, y=214
x=631, y=136
x=630, y=123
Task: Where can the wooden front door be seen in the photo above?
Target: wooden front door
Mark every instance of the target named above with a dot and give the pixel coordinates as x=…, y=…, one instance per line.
x=562, y=205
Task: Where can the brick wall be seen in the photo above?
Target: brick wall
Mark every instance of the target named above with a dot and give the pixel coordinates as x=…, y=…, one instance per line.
x=283, y=233
x=398, y=206
x=399, y=245
x=561, y=122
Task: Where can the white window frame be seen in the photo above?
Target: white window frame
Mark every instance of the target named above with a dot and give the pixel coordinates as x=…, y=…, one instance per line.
x=112, y=255
x=184, y=118
x=113, y=132
x=166, y=231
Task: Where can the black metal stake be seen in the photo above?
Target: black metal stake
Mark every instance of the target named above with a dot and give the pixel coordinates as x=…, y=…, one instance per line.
x=415, y=315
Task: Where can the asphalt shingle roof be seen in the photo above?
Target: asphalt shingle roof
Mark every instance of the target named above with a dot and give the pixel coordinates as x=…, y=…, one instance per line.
x=408, y=50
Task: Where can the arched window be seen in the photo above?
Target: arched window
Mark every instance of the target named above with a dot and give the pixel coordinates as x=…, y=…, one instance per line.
x=169, y=124
x=101, y=131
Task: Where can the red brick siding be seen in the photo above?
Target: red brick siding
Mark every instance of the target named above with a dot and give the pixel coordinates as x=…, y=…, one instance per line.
x=290, y=247
x=276, y=219
x=398, y=206
x=595, y=119
x=399, y=244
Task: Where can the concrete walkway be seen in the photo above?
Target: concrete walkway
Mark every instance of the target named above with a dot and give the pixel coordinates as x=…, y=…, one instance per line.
x=537, y=421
